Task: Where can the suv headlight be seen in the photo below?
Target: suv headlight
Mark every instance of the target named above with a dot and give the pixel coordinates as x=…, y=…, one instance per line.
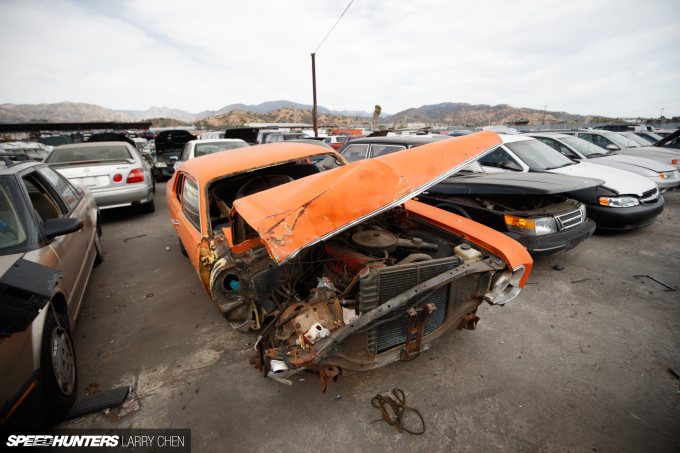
x=534, y=227
x=505, y=287
x=619, y=202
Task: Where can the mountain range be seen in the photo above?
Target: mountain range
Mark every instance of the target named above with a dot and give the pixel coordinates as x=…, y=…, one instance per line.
x=265, y=107
x=286, y=111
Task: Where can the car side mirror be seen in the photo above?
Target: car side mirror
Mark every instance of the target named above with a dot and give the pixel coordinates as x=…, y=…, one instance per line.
x=612, y=147
x=60, y=227
x=511, y=165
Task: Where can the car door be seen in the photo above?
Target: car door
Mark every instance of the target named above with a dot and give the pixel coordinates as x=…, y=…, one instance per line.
x=75, y=251
x=185, y=216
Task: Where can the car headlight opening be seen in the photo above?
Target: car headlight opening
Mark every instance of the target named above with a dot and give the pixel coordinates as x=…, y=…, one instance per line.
x=619, y=202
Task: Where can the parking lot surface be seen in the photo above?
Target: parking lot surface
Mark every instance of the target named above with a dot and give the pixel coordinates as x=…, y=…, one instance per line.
x=578, y=362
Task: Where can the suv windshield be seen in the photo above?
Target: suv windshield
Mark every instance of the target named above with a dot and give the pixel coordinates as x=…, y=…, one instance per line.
x=17, y=230
x=584, y=147
x=538, y=156
x=209, y=148
x=88, y=154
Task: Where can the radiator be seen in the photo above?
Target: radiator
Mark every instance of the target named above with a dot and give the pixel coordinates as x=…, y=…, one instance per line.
x=382, y=284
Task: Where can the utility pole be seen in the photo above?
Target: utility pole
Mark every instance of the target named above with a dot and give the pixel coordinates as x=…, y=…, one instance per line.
x=316, y=127
x=489, y=116
x=544, y=107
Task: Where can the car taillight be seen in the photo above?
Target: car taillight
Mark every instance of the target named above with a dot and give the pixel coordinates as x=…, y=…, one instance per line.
x=118, y=178
x=136, y=175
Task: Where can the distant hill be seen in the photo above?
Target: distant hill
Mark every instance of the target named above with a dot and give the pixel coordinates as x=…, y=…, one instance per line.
x=263, y=108
x=284, y=115
x=478, y=115
x=63, y=112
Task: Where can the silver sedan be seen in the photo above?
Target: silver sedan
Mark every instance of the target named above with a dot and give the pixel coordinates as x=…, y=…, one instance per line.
x=115, y=172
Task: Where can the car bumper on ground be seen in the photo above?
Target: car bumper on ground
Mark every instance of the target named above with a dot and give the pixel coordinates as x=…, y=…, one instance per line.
x=123, y=196
x=640, y=216
x=552, y=243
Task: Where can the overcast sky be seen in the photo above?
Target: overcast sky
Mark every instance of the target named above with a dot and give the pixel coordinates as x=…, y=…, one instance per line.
x=616, y=58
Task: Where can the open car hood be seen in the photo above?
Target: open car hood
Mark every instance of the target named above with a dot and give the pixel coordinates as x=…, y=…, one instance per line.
x=247, y=134
x=172, y=140
x=296, y=215
x=512, y=184
x=669, y=138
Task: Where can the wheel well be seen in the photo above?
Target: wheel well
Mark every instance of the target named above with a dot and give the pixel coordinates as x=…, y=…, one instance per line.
x=59, y=303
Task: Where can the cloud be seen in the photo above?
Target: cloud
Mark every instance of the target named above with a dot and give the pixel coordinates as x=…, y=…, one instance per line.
x=609, y=57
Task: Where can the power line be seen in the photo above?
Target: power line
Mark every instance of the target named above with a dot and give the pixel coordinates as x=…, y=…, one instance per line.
x=343, y=13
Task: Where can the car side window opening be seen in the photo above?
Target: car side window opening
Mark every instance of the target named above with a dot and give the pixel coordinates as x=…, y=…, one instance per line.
x=190, y=203
x=41, y=200
x=70, y=194
x=354, y=153
x=383, y=150
x=498, y=158
x=178, y=187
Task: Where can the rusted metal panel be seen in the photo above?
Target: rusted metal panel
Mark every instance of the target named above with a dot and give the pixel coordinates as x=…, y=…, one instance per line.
x=303, y=212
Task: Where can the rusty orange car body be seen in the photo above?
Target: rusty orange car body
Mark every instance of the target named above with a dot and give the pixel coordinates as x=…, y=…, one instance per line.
x=340, y=270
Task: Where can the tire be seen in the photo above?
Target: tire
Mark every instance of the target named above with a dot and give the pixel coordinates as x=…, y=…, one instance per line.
x=182, y=249
x=147, y=208
x=99, y=250
x=58, y=370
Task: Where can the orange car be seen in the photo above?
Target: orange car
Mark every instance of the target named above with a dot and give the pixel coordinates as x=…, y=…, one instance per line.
x=340, y=270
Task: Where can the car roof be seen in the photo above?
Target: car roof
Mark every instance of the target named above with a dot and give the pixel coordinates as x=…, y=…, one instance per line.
x=233, y=161
x=90, y=145
x=515, y=138
x=216, y=140
x=401, y=139
x=548, y=134
x=18, y=166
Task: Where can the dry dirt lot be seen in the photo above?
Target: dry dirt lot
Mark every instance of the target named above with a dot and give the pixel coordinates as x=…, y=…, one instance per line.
x=567, y=366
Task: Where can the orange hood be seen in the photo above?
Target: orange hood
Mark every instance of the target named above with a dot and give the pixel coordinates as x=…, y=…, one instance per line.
x=309, y=210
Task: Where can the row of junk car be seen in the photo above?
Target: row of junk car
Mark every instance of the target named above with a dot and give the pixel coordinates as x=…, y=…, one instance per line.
x=345, y=253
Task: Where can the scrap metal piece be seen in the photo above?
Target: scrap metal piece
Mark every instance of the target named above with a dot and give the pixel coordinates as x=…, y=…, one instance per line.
x=328, y=374
x=417, y=345
x=469, y=322
x=670, y=288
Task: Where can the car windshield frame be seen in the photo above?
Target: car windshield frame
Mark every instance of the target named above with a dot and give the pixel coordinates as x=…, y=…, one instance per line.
x=583, y=146
x=91, y=154
x=537, y=155
x=15, y=215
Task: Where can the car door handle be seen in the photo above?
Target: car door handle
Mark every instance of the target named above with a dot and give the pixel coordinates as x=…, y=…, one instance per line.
x=175, y=222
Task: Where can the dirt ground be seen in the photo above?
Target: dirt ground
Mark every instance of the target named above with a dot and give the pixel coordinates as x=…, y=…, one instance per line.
x=566, y=366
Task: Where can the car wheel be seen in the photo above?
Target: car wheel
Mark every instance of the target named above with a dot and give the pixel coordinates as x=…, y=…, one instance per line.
x=99, y=250
x=148, y=208
x=58, y=366
x=182, y=249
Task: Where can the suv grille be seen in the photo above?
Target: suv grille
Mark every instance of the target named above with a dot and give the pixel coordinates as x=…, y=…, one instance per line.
x=570, y=220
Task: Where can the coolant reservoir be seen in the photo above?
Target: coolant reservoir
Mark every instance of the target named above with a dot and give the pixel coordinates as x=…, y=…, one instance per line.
x=467, y=253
